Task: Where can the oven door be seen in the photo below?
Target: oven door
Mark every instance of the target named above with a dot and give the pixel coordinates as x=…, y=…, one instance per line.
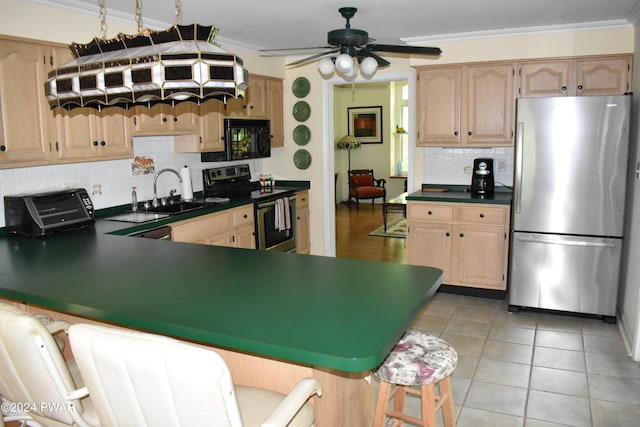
x=276, y=229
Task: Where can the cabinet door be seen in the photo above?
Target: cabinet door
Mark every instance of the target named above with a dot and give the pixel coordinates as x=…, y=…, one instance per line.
x=303, y=239
x=544, y=79
x=489, y=101
x=115, y=133
x=478, y=256
x=430, y=245
x=24, y=112
x=607, y=76
x=275, y=110
x=211, y=116
x=77, y=133
x=150, y=120
x=244, y=237
x=438, y=106
x=183, y=117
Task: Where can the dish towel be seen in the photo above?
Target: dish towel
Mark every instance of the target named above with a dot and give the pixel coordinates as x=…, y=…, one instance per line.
x=282, y=214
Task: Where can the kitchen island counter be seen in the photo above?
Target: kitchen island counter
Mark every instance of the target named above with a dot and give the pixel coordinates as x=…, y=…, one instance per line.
x=335, y=315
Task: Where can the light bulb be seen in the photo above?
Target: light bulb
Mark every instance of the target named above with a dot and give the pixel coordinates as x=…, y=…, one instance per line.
x=368, y=67
x=325, y=66
x=351, y=74
x=344, y=63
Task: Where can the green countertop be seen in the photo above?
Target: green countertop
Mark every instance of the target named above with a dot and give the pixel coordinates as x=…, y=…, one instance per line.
x=334, y=313
x=459, y=194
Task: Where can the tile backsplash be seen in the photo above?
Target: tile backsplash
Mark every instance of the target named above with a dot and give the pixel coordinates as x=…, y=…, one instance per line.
x=109, y=182
x=454, y=165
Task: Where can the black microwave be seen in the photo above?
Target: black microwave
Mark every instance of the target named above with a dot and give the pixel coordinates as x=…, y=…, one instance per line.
x=243, y=139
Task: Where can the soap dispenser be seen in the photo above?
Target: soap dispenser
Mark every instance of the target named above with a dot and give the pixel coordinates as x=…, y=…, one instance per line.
x=134, y=199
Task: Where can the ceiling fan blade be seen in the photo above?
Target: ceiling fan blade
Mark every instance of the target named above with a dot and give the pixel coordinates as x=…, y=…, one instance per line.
x=289, y=49
x=312, y=57
x=411, y=50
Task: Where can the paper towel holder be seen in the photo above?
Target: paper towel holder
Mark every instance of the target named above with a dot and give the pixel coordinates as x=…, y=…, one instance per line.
x=185, y=181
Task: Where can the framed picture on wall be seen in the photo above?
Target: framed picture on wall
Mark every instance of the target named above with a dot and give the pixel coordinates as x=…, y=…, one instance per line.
x=365, y=123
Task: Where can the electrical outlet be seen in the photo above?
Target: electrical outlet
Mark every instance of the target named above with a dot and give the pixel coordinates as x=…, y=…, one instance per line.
x=468, y=169
x=502, y=165
x=97, y=190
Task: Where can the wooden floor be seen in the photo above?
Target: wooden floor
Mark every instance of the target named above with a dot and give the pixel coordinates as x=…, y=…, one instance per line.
x=353, y=226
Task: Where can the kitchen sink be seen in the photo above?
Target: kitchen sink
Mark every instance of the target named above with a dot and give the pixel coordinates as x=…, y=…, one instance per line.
x=177, y=208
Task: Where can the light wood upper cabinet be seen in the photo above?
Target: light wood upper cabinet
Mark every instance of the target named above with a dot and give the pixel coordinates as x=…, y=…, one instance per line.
x=610, y=76
x=164, y=119
x=89, y=134
x=438, y=99
x=263, y=99
x=210, y=138
x=575, y=77
x=25, y=119
x=465, y=105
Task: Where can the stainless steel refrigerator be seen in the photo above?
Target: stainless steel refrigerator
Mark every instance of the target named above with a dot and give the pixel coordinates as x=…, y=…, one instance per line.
x=570, y=176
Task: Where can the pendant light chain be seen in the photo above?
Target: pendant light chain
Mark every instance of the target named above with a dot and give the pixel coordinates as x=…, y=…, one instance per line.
x=103, y=19
x=139, y=16
x=178, y=13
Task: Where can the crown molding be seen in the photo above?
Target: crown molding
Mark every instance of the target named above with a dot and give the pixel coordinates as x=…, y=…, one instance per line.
x=511, y=32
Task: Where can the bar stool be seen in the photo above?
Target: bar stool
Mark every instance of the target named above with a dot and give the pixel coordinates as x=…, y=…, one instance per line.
x=419, y=359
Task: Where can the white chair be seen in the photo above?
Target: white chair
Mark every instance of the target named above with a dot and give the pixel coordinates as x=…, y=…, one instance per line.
x=36, y=384
x=141, y=379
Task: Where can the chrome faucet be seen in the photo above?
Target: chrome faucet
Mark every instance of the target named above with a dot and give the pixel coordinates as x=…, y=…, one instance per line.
x=155, y=180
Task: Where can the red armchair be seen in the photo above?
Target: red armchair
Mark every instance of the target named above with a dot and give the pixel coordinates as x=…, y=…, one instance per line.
x=363, y=185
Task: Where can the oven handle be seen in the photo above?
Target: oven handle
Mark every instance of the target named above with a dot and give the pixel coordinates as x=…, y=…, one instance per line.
x=268, y=204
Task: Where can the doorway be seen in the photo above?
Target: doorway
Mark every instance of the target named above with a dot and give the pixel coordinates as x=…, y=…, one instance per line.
x=414, y=162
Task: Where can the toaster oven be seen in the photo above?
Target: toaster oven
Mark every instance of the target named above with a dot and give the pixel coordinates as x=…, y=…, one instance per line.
x=47, y=213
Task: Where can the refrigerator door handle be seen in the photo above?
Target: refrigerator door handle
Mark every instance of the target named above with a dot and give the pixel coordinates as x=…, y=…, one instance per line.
x=537, y=239
x=518, y=167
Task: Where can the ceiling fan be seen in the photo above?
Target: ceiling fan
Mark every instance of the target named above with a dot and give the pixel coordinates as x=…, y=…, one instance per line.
x=347, y=44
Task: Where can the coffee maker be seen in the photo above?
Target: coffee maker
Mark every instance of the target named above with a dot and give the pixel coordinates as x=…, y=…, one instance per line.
x=482, y=177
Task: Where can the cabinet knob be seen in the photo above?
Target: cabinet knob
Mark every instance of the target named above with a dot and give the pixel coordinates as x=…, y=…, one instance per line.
x=564, y=88
x=175, y=119
x=245, y=216
x=461, y=234
x=429, y=213
x=580, y=87
x=3, y=148
x=456, y=133
x=481, y=215
x=164, y=120
x=95, y=143
x=447, y=234
x=470, y=133
x=103, y=143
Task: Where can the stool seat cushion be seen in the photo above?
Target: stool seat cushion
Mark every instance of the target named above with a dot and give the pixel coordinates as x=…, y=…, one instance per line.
x=418, y=358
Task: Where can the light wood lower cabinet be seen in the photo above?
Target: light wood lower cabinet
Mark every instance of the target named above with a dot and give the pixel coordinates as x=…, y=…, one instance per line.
x=468, y=241
x=303, y=240
x=232, y=227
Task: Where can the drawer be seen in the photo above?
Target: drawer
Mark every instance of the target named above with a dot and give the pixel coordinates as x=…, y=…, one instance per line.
x=242, y=216
x=481, y=214
x=422, y=211
x=196, y=229
x=302, y=199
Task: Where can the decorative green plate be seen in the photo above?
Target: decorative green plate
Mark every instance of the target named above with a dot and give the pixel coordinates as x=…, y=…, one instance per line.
x=301, y=135
x=301, y=111
x=301, y=87
x=302, y=159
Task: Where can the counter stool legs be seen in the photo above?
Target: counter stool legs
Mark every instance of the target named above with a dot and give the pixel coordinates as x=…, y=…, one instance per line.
x=431, y=403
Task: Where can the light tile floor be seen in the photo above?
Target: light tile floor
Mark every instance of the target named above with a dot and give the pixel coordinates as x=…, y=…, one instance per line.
x=533, y=369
